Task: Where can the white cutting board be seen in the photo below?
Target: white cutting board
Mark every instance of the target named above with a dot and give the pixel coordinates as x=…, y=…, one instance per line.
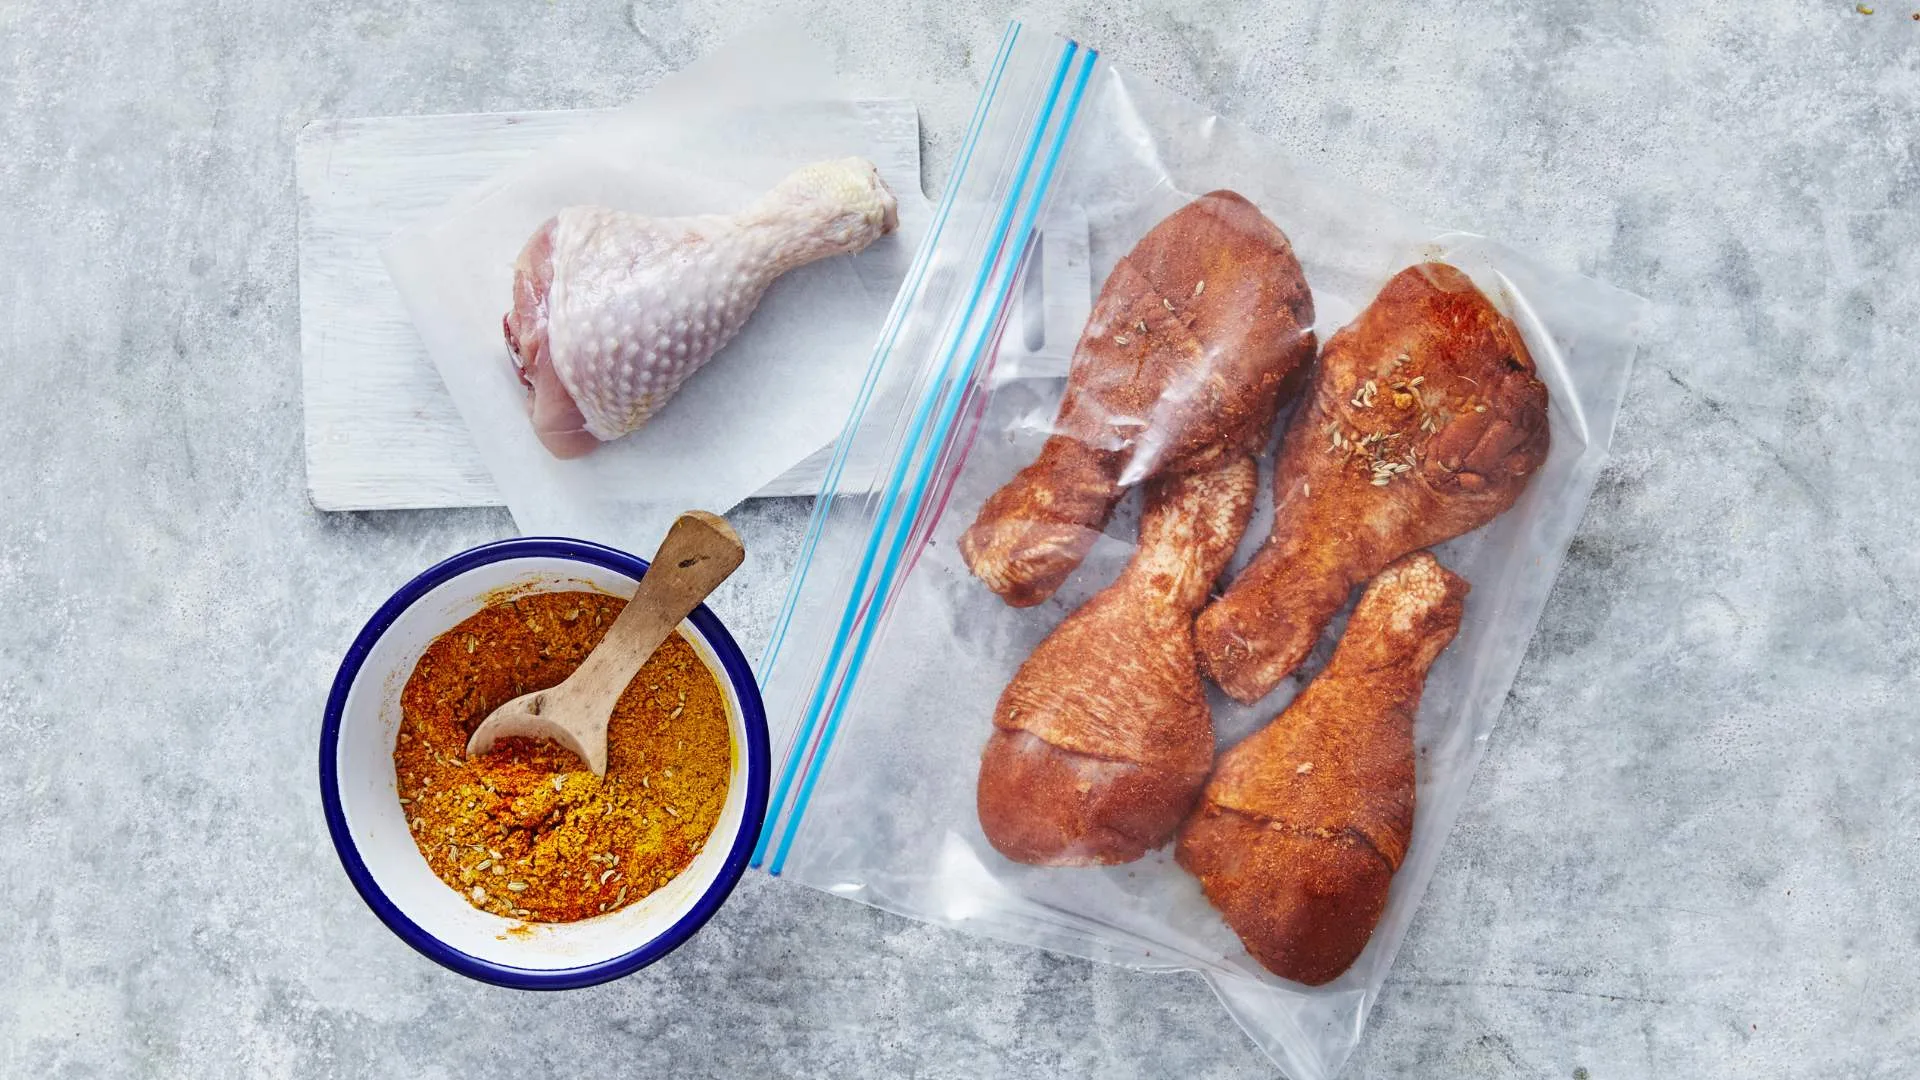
x=381, y=431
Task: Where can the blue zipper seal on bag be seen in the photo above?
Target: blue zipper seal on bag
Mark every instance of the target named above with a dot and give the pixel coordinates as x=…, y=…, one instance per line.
x=951, y=395
x=803, y=741
x=859, y=597
x=916, y=275
x=952, y=398
x=803, y=736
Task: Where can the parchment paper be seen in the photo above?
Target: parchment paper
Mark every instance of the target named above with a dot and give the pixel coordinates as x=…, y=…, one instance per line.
x=707, y=140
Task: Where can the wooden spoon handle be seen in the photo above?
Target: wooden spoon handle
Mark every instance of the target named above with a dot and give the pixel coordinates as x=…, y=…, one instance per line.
x=699, y=552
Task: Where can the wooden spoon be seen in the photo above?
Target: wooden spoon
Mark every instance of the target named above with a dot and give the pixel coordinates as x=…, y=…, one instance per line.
x=699, y=552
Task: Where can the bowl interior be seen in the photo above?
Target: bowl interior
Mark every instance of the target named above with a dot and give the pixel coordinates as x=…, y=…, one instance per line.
x=369, y=797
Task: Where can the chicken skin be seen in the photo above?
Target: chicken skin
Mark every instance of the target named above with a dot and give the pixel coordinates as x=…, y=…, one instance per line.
x=614, y=311
x=1424, y=421
x=1181, y=366
x=1305, y=822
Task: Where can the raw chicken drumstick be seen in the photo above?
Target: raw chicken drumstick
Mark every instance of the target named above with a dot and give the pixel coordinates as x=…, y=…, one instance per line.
x=1103, y=738
x=1180, y=367
x=1305, y=822
x=612, y=311
x=1424, y=422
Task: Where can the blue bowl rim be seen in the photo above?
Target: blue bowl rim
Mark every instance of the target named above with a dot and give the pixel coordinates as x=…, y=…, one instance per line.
x=759, y=766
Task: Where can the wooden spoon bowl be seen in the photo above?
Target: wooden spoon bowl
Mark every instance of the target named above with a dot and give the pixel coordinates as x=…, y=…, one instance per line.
x=699, y=553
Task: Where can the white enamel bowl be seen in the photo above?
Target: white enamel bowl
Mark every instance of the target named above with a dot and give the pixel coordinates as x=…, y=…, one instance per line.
x=371, y=834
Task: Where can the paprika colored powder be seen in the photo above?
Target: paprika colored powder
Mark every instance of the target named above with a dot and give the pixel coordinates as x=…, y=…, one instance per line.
x=526, y=830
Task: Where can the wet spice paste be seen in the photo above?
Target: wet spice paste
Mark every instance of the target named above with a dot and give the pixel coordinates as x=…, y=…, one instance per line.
x=526, y=830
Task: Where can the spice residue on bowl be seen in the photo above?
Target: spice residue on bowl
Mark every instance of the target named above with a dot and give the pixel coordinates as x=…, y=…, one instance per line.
x=526, y=831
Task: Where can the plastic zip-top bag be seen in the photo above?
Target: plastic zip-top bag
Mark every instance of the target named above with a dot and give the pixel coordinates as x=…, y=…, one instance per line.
x=1183, y=662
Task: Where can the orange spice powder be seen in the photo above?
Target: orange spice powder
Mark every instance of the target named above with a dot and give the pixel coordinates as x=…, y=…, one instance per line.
x=526, y=830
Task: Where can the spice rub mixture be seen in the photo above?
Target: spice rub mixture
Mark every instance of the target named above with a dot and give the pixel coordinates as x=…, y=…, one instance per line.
x=526, y=830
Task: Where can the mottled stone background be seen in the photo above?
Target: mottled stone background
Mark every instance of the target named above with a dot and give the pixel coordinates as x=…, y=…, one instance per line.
x=1691, y=849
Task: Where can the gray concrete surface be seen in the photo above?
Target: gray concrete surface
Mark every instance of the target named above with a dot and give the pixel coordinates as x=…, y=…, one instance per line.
x=1691, y=849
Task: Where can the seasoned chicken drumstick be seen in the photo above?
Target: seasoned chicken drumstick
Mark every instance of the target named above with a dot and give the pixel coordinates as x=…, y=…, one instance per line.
x=1103, y=737
x=1424, y=422
x=612, y=311
x=1180, y=367
x=1305, y=821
